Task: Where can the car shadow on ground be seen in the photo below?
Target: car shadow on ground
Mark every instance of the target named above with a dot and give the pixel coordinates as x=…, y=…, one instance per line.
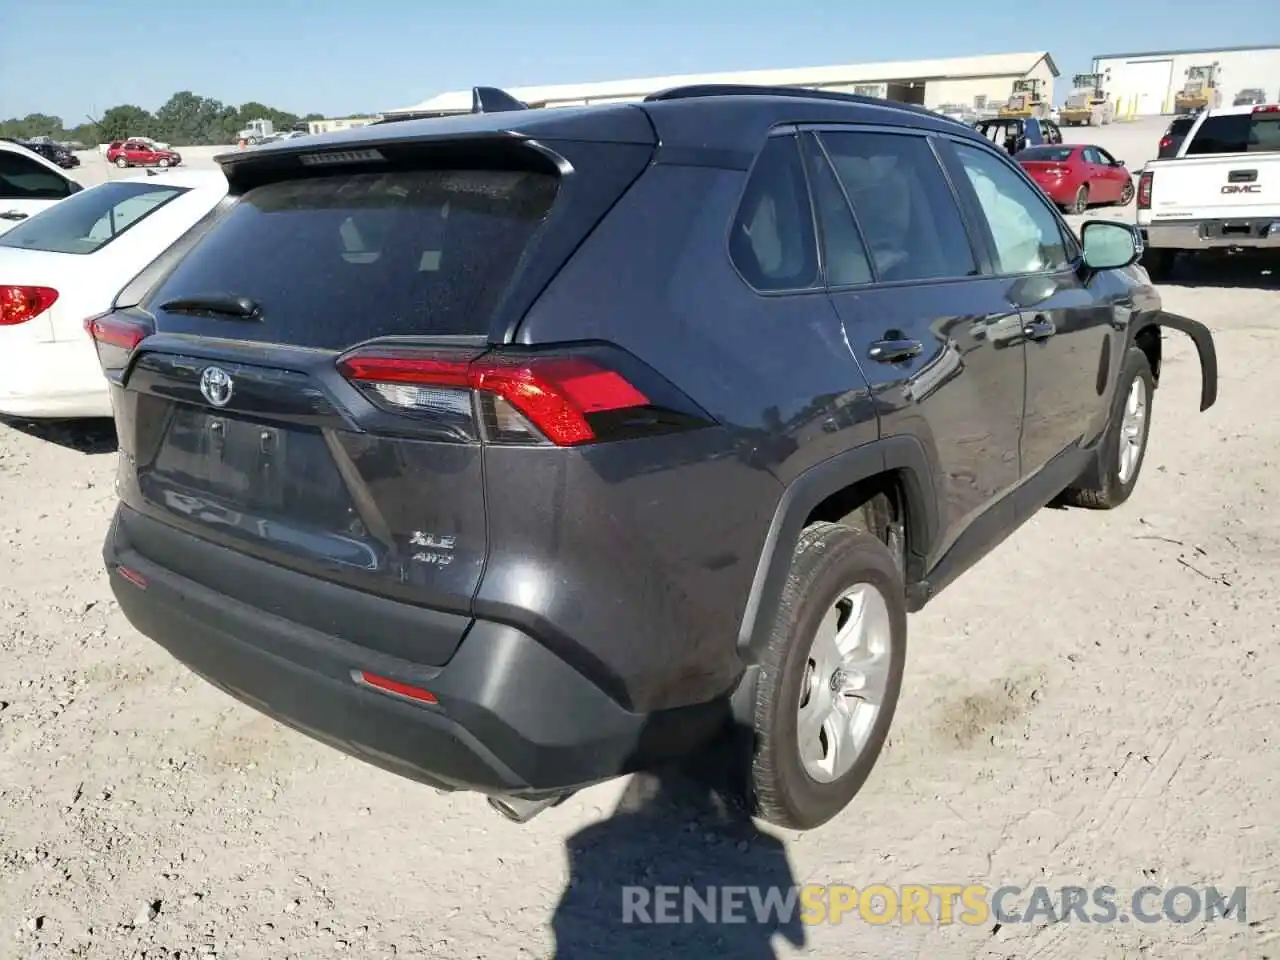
x=87, y=436
x=681, y=828
x=1240, y=271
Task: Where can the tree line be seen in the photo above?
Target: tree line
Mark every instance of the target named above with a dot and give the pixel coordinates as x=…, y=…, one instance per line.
x=186, y=119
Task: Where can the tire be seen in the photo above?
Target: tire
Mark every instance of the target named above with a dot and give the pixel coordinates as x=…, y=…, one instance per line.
x=1119, y=474
x=831, y=561
x=1158, y=263
x=121, y=162
x=1080, y=205
x=1126, y=195
x=162, y=162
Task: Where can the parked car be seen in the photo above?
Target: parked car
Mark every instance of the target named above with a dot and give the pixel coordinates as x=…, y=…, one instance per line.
x=28, y=184
x=511, y=460
x=1077, y=176
x=1218, y=193
x=136, y=153
x=1250, y=97
x=1174, y=134
x=58, y=155
x=67, y=263
x=1015, y=134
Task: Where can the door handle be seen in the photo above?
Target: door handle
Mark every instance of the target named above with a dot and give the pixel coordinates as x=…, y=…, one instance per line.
x=895, y=349
x=1041, y=328
x=12, y=215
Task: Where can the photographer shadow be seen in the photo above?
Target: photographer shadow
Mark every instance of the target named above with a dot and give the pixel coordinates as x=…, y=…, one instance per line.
x=683, y=829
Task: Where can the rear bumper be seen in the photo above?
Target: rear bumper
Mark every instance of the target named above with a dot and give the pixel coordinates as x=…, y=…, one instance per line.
x=1252, y=233
x=511, y=717
x=52, y=379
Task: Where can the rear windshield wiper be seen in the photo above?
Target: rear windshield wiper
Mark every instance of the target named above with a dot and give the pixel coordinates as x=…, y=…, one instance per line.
x=226, y=305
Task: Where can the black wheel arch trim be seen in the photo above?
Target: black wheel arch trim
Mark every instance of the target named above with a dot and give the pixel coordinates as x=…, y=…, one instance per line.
x=904, y=454
x=1203, y=339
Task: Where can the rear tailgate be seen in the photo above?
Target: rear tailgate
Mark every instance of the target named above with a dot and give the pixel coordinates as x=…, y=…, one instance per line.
x=1229, y=168
x=241, y=431
x=1216, y=187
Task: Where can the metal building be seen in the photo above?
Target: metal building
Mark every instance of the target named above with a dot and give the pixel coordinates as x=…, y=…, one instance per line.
x=1155, y=78
x=972, y=81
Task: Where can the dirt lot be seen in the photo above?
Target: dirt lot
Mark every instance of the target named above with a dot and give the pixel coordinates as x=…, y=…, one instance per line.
x=1095, y=703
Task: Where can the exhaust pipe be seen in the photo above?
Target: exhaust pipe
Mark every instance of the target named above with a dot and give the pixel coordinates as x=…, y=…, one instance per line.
x=520, y=810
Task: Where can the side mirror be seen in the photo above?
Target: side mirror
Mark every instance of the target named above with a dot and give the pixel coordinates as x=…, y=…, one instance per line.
x=1109, y=245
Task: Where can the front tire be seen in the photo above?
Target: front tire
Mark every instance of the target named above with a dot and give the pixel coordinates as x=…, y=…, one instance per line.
x=1126, y=195
x=1124, y=446
x=162, y=163
x=830, y=677
x=121, y=162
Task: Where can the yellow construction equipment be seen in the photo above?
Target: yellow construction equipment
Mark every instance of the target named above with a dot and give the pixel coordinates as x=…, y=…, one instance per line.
x=1089, y=104
x=1026, y=101
x=1200, y=92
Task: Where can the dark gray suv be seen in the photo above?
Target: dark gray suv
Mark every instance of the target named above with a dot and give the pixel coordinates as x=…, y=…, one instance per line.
x=517, y=451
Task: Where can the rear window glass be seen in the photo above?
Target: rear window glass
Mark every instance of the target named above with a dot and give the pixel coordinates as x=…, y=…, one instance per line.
x=339, y=259
x=1181, y=125
x=1237, y=133
x=91, y=219
x=1051, y=154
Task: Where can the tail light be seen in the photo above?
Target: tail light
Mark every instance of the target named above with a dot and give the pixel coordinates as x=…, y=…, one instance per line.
x=1054, y=172
x=1144, y=190
x=20, y=304
x=566, y=399
x=116, y=338
x=1267, y=108
x=1165, y=142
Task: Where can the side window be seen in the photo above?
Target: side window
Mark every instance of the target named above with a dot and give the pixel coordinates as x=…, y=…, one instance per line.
x=772, y=242
x=904, y=205
x=844, y=253
x=1026, y=232
x=22, y=178
x=1051, y=132
x=1091, y=156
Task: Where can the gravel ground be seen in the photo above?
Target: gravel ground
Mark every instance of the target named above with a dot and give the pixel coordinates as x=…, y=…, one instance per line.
x=1094, y=703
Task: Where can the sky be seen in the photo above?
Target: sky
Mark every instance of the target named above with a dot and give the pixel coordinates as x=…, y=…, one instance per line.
x=76, y=58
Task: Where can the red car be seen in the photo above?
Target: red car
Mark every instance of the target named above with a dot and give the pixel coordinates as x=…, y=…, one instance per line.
x=136, y=153
x=1076, y=176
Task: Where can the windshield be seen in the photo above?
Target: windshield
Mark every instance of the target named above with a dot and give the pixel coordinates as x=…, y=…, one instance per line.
x=1049, y=154
x=91, y=219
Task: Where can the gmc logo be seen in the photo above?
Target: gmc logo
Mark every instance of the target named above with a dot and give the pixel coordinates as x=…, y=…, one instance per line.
x=1242, y=188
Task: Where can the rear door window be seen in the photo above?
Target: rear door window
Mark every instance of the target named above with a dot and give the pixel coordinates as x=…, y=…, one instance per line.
x=1237, y=133
x=903, y=204
x=91, y=219
x=339, y=259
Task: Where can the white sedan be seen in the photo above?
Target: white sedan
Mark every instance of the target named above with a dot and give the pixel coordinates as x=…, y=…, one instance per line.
x=28, y=184
x=66, y=264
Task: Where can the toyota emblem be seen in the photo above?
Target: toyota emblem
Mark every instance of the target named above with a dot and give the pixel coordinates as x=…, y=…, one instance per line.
x=216, y=385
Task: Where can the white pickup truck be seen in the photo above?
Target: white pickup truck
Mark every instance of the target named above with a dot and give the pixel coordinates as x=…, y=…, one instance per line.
x=1221, y=191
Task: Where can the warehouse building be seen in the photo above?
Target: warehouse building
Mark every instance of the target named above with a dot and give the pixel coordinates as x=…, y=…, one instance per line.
x=972, y=81
x=1153, y=79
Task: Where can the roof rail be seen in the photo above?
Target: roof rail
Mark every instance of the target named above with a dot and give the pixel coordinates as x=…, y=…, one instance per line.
x=493, y=100
x=751, y=90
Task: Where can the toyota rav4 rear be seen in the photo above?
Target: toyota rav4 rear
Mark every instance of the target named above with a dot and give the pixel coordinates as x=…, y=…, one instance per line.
x=350, y=499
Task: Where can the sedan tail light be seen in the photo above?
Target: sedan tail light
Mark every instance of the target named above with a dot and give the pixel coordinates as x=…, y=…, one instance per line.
x=1267, y=108
x=18, y=304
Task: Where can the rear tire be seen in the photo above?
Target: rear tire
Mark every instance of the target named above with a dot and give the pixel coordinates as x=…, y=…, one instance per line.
x=816, y=676
x=1123, y=448
x=1080, y=205
x=121, y=162
x=1158, y=263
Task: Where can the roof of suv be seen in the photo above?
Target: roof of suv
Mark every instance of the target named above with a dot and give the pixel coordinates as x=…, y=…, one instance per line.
x=725, y=118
